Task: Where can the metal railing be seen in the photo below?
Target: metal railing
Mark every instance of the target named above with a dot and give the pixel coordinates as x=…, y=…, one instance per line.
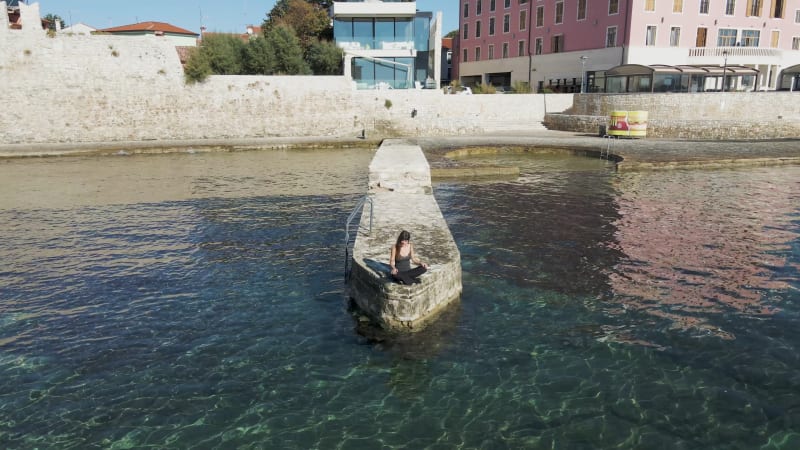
x=359, y=206
x=610, y=143
x=721, y=52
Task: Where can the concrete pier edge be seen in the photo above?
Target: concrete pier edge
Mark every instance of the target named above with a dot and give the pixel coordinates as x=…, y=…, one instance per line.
x=629, y=154
x=401, y=199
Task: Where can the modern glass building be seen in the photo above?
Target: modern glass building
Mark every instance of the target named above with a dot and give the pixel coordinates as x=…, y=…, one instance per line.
x=388, y=44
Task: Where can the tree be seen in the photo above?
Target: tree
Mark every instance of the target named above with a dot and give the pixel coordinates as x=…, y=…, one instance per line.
x=288, y=51
x=225, y=53
x=452, y=34
x=309, y=20
x=51, y=21
x=325, y=58
x=197, y=67
x=259, y=57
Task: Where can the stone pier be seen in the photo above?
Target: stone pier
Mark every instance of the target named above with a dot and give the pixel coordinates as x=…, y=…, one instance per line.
x=402, y=199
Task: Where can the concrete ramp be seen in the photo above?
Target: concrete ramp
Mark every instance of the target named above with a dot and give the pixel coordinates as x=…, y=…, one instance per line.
x=400, y=190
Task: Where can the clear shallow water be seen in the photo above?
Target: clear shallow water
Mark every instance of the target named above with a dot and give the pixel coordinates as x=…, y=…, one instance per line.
x=196, y=301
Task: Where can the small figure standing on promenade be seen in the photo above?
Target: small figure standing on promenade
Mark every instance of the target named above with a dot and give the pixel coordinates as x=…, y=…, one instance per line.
x=402, y=256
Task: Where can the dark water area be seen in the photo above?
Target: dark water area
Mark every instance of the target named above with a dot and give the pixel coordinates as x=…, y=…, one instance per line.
x=197, y=301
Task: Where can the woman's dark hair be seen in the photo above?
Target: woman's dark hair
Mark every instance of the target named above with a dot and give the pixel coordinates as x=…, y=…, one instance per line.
x=404, y=236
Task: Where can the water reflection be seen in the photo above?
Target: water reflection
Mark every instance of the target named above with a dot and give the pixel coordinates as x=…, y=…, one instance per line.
x=698, y=243
x=549, y=229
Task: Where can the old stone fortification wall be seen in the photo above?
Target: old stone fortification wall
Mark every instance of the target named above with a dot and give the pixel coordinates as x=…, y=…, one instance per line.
x=79, y=89
x=75, y=88
x=713, y=115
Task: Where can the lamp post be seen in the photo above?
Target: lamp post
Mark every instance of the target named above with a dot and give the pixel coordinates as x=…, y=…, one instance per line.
x=583, y=73
x=725, y=71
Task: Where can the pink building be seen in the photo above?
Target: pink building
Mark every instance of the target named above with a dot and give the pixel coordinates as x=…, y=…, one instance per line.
x=557, y=44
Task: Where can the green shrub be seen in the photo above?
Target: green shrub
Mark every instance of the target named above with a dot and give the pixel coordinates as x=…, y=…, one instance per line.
x=197, y=68
x=484, y=88
x=521, y=87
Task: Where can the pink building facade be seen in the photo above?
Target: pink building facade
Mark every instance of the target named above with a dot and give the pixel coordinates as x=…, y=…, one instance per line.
x=569, y=45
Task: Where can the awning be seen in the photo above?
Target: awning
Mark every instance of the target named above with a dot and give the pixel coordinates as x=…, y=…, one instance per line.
x=793, y=70
x=659, y=69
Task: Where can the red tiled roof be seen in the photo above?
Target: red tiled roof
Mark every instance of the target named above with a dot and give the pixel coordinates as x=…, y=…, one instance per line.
x=149, y=26
x=447, y=43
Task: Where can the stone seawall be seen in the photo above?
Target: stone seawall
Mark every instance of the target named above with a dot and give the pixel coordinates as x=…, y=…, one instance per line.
x=102, y=88
x=717, y=115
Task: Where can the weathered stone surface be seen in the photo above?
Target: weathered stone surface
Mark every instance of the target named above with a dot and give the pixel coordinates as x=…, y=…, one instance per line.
x=707, y=116
x=393, y=305
x=400, y=167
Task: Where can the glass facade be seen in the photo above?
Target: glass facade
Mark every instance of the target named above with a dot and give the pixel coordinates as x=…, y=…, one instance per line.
x=374, y=33
x=404, y=35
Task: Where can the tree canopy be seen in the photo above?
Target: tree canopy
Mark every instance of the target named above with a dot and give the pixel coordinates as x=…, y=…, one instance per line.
x=308, y=18
x=52, y=19
x=296, y=41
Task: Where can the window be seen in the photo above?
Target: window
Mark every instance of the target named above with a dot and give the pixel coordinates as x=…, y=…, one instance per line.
x=750, y=38
x=677, y=6
x=506, y=23
x=521, y=48
x=478, y=8
x=557, y=44
x=505, y=49
x=581, y=9
x=491, y=5
x=611, y=37
x=674, y=36
x=776, y=9
x=522, y=2
x=703, y=6
x=613, y=7
x=465, y=56
x=523, y=19
x=507, y=4
x=700, y=41
x=775, y=39
x=477, y=53
x=753, y=8
x=466, y=31
x=730, y=7
x=466, y=10
x=491, y=52
x=477, y=29
x=539, y=16
x=491, y=26
x=650, y=38
x=537, y=46
x=797, y=16
x=796, y=43
x=649, y=5
x=559, y=12
x=726, y=37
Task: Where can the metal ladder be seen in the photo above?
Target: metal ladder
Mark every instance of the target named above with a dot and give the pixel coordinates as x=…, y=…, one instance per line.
x=611, y=142
x=364, y=200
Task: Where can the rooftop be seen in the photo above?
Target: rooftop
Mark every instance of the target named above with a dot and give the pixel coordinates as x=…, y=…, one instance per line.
x=154, y=27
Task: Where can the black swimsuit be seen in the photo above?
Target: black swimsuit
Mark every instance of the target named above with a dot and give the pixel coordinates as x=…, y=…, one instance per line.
x=405, y=274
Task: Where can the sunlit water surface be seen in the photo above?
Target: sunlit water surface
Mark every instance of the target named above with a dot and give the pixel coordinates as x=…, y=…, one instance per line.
x=196, y=301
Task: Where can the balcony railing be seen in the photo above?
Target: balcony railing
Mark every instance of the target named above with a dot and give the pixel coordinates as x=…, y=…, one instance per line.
x=750, y=52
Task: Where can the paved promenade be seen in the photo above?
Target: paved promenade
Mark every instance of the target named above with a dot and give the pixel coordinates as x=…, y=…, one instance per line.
x=632, y=154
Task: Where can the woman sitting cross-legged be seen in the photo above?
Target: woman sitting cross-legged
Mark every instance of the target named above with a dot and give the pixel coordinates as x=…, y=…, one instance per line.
x=401, y=258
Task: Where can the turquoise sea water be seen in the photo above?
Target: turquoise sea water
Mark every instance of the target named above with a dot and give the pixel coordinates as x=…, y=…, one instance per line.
x=196, y=301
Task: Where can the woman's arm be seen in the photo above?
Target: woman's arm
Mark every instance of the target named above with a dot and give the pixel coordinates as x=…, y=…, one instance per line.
x=391, y=260
x=414, y=258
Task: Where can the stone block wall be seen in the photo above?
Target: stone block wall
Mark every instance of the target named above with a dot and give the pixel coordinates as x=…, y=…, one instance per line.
x=713, y=115
x=102, y=88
